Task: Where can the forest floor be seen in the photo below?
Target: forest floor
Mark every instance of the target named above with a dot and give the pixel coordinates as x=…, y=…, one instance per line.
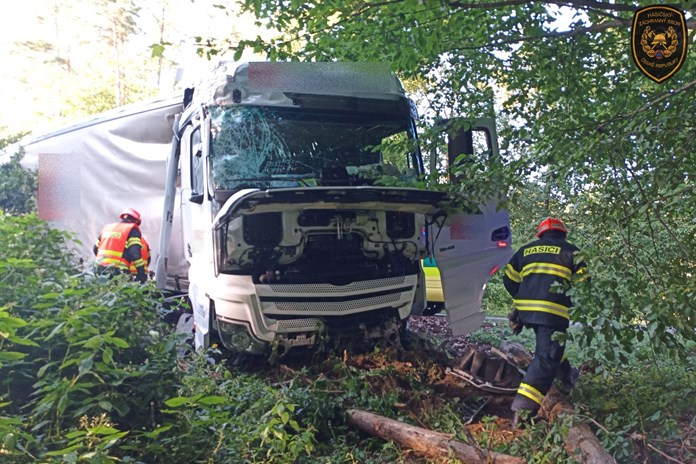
x=430, y=351
x=418, y=385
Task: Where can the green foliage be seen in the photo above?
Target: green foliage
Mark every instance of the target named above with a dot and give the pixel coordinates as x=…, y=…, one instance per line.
x=34, y=260
x=543, y=443
x=8, y=335
x=592, y=141
x=78, y=354
x=496, y=300
x=103, y=352
x=91, y=443
x=18, y=186
x=225, y=416
x=649, y=397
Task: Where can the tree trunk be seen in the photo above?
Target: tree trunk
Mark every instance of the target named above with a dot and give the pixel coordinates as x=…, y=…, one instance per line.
x=426, y=442
x=581, y=441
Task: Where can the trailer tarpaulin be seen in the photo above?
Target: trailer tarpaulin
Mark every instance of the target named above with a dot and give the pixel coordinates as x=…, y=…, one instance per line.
x=90, y=172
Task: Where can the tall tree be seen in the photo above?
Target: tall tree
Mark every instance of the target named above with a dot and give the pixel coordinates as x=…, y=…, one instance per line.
x=66, y=60
x=117, y=20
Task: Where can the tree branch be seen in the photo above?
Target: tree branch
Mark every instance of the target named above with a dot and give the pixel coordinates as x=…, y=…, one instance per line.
x=601, y=126
x=549, y=35
x=664, y=455
x=587, y=5
x=578, y=4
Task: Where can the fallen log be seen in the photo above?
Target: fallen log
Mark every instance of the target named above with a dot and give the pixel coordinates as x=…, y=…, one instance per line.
x=426, y=442
x=581, y=442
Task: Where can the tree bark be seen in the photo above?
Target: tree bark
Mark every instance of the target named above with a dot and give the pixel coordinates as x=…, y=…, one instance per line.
x=581, y=441
x=426, y=442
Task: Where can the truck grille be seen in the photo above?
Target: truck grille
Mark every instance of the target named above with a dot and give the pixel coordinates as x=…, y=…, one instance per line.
x=338, y=307
x=328, y=288
x=308, y=300
x=299, y=324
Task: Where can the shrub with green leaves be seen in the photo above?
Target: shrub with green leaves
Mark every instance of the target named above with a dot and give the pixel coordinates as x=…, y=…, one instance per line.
x=74, y=348
x=649, y=396
x=18, y=186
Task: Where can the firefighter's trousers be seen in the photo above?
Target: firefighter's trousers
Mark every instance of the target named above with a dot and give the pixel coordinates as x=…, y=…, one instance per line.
x=548, y=361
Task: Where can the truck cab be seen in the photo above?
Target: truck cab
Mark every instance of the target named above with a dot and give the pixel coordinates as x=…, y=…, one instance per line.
x=300, y=214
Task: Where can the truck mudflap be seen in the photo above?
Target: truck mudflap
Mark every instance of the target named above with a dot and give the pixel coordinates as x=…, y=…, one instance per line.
x=469, y=249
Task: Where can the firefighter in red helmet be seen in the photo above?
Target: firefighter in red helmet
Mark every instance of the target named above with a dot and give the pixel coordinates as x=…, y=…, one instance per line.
x=529, y=276
x=121, y=248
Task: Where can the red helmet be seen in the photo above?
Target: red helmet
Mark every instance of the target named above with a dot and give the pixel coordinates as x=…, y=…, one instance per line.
x=551, y=224
x=130, y=213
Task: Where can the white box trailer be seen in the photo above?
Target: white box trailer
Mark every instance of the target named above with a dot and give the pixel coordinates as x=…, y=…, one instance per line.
x=262, y=187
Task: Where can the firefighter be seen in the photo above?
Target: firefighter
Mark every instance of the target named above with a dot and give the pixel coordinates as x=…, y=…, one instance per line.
x=119, y=248
x=529, y=277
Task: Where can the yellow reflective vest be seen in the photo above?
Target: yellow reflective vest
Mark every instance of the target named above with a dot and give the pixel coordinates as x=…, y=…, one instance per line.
x=119, y=245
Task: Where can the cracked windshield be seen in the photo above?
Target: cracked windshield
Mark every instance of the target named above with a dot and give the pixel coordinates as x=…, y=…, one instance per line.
x=262, y=147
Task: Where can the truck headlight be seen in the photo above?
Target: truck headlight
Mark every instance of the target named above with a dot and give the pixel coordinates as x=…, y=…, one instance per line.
x=234, y=336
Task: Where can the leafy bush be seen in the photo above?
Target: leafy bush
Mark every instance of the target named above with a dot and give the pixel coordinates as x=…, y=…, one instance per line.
x=78, y=353
x=226, y=417
x=34, y=259
x=496, y=300
x=649, y=398
x=18, y=186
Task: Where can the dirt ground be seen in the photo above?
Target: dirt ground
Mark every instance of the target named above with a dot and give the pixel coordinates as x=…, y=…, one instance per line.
x=429, y=363
x=429, y=356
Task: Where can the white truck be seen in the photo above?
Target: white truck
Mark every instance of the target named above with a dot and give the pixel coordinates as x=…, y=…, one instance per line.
x=262, y=186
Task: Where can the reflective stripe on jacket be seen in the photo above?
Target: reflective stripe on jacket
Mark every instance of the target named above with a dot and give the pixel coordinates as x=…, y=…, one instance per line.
x=144, y=257
x=531, y=273
x=113, y=242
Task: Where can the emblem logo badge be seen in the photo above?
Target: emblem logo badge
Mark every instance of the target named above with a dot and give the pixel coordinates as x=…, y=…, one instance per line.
x=658, y=41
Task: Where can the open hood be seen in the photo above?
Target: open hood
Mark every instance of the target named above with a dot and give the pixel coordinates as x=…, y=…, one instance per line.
x=377, y=198
x=321, y=235
x=388, y=222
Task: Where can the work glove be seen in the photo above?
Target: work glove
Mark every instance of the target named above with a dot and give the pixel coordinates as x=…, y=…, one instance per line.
x=515, y=322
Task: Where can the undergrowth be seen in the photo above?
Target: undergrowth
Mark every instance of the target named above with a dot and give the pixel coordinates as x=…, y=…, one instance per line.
x=89, y=373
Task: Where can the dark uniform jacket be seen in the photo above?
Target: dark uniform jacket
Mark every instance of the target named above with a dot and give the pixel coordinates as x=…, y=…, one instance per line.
x=532, y=271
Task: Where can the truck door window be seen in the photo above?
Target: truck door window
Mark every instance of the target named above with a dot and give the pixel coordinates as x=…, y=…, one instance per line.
x=197, y=163
x=470, y=147
x=461, y=148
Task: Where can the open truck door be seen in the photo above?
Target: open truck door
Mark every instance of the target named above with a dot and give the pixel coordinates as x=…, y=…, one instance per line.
x=469, y=246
